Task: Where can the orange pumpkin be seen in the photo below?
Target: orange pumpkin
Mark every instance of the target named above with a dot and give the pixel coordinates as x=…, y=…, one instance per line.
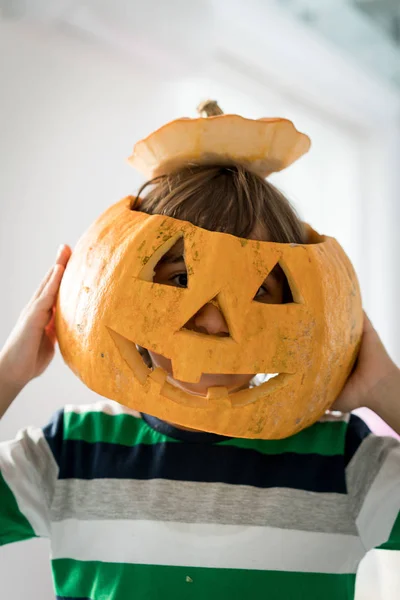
x=108, y=304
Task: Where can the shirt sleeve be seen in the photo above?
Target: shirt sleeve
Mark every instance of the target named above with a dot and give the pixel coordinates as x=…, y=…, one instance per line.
x=28, y=473
x=373, y=485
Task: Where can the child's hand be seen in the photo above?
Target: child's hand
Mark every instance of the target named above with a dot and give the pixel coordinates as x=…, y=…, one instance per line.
x=373, y=368
x=30, y=347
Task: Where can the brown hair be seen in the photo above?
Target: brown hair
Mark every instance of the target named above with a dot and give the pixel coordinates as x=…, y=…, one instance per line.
x=229, y=199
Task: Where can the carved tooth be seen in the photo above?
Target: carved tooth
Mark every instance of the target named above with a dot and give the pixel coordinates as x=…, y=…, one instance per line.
x=219, y=395
x=188, y=373
x=158, y=375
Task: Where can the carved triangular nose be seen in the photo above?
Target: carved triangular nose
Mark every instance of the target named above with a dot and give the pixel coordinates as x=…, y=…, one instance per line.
x=209, y=320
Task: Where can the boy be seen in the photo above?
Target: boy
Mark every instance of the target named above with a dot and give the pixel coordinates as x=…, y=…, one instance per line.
x=139, y=508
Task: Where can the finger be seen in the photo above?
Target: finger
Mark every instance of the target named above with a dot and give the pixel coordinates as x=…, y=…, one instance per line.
x=63, y=255
x=51, y=334
x=51, y=320
x=51, y=327
x=43, y=284
x=53, y=284
x=47, y=298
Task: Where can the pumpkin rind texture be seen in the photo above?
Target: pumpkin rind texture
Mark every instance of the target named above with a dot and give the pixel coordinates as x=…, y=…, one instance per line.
x=263, y=146
x=108, y=304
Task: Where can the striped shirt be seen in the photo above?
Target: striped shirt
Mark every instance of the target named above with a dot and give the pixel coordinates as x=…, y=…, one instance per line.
x=135, y=508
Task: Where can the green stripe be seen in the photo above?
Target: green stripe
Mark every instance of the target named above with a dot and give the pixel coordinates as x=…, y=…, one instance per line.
x=14, y=526
x=114, y=581
x=393, y=542
x=321, y=438
x=113, y=429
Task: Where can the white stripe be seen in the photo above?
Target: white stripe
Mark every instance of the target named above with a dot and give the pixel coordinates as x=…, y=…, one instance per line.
x=27, y=464
x=378, y=577
x=382, y=503
x=205, y=545
x=108, y=407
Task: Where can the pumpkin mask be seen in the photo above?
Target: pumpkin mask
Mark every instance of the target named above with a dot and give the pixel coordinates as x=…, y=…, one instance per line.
x=108, y=305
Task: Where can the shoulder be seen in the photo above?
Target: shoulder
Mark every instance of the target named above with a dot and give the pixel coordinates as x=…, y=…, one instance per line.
x=373, y=484
x=357, y=432
x=334, y=434
x=101, y=407
x=102, y=421
x=365, y=449
x=353, y=431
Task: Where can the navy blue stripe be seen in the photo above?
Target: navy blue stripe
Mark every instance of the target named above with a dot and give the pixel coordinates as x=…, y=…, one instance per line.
x=71, y=598
x=184, y=435
x=356, y=432
x=54, y=433
x=199, y=462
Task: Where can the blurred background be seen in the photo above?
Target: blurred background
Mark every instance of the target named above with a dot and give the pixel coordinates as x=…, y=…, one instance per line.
x=82, y=80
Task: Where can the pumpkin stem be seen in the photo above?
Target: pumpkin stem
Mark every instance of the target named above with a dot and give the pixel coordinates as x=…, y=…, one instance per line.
x=209, y=108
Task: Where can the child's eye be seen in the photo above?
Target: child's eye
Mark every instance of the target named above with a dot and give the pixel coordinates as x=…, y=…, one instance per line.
x=180, y=280
x=261, y=291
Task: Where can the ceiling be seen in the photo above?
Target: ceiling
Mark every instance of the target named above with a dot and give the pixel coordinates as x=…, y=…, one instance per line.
x=385, y=14
x=367, y=31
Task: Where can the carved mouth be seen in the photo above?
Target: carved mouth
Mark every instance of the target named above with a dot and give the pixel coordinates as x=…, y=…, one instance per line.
x=256, y=381
x=263, y=384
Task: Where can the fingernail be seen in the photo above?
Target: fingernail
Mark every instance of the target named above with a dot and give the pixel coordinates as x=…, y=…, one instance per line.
x=60, y=249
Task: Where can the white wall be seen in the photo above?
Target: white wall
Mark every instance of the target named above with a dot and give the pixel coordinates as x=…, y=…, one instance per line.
x=70, y=112
x=69, y=116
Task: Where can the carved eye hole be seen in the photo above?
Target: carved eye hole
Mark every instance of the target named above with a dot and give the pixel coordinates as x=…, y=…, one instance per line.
x=276, y=288
x=171, y=268
x=165, y=263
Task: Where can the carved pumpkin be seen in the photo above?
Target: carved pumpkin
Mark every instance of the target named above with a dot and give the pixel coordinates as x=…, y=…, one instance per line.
x=108, y=303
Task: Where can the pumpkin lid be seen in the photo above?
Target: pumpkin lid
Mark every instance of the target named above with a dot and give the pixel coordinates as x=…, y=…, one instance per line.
x=263, y=146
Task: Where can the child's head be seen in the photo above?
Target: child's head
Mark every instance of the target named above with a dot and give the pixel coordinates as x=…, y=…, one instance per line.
x=229, y=200
x=226, y=199
x=251, y=306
